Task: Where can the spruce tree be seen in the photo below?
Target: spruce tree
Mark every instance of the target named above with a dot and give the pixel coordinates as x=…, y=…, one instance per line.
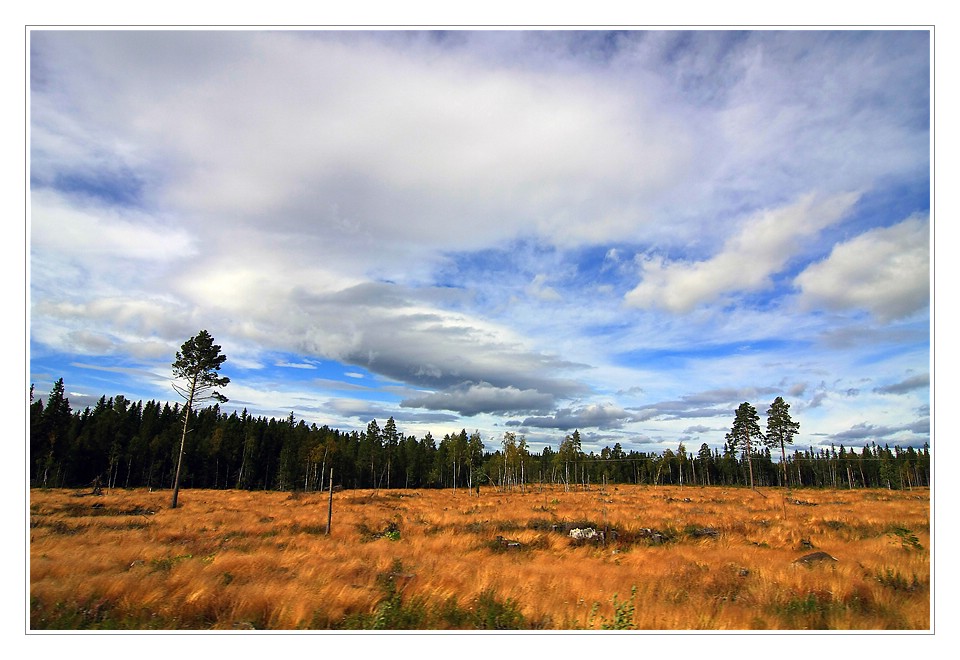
x=54, y=426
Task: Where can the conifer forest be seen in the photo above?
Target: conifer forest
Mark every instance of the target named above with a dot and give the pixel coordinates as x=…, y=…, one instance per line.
x=132, y=444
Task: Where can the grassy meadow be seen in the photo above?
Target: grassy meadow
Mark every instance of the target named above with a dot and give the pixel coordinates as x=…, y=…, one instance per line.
x=620, y=557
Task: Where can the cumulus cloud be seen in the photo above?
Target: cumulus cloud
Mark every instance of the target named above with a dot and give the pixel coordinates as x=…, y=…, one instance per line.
x=885, y=271
x=761, y=248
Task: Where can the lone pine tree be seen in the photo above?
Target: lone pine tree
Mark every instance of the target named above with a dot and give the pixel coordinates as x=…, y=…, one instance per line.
x=780, y=430
x=197, y=365
x=745, y=429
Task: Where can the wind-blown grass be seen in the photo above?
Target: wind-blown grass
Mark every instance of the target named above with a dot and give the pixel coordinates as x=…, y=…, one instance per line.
x=660, y=558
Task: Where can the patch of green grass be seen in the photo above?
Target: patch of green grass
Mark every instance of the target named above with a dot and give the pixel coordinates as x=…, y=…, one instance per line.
x=908, y=540
x=808, y=612
x=391, y=531
x=489, y=613
x=894, y=580
x=395, y=612
x=314, y=530
x=95, y=614
x=167, y=563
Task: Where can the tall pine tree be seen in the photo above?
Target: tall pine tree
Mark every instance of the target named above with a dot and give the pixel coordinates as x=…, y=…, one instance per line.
x=197, y=365
x=745, y=429
x=780, y=430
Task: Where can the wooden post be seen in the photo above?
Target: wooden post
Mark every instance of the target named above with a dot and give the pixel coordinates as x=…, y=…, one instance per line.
x=330, y=503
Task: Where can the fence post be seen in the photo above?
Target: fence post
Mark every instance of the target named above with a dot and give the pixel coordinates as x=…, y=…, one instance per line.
x=330, y=503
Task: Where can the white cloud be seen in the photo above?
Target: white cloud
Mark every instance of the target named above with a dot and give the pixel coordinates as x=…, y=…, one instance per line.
x=885, y=271
x=359, y=140
x=762, y=247
x=539, y=289
x=335, y=195
x=295, y=365
x=91, y=232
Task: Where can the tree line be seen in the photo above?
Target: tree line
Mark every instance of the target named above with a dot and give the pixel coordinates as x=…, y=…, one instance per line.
x=119, y=443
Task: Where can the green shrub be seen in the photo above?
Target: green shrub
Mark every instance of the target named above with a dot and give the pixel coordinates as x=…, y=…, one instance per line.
x=623, y=612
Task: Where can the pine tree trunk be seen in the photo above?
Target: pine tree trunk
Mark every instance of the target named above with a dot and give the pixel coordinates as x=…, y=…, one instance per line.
x=783, y=460
x=183, y=442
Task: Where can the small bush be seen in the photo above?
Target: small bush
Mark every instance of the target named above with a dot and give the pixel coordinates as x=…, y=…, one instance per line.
x=623, y=612
x=492, y=614
x=390, y=531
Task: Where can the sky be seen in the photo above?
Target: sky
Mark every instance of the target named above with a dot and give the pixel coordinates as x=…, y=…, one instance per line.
x=627, y=233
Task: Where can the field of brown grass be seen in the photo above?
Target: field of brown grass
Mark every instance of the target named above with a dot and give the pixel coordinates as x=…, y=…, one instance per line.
x=670, y=558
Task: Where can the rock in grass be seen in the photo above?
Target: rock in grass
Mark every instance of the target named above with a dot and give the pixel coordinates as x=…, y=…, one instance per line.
x=508, y=543
x=701, y=532
x=815, y=558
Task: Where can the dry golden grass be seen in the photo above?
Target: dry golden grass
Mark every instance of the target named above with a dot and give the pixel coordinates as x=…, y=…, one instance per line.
x=675, y=559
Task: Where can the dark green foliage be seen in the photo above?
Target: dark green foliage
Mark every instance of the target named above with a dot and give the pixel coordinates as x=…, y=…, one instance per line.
x=198, y=362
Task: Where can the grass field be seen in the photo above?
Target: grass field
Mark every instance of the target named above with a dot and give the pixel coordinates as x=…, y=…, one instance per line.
x=648, y=558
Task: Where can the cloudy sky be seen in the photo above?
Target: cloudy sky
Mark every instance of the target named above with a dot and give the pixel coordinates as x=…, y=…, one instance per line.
x=626, y=233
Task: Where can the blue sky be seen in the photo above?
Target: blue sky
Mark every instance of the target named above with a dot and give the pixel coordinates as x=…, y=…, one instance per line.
x=626, y=233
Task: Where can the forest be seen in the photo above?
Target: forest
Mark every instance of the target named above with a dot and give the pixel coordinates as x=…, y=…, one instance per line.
x=124, y=444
